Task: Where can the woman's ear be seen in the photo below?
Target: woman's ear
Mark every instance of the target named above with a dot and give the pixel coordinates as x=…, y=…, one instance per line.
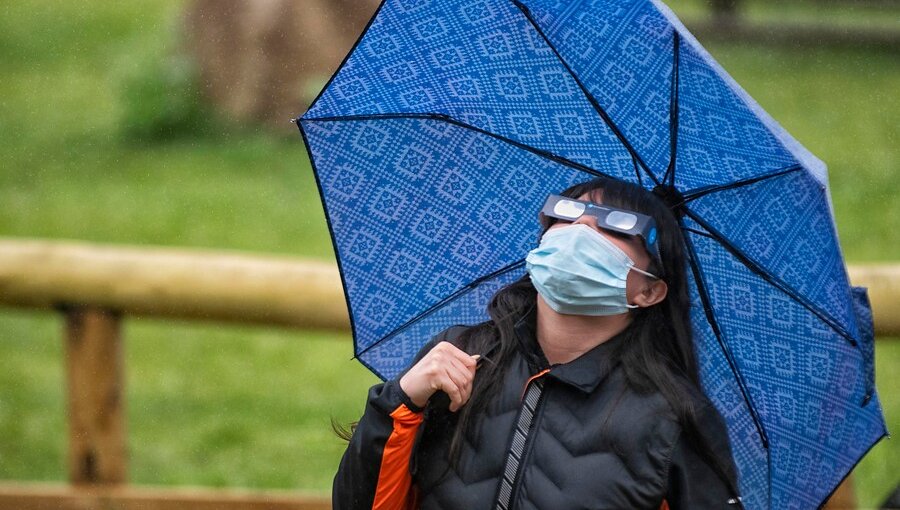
x=653, y=293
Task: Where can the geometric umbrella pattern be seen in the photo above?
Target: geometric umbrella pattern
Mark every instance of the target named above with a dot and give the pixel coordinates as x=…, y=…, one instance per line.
x=440, y=135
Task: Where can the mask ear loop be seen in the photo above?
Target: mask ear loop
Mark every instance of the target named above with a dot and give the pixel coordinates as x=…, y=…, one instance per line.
x=639, y=270
x=646, y=273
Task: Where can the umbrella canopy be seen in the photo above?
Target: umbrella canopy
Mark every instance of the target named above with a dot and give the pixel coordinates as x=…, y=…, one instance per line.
x=441, y=134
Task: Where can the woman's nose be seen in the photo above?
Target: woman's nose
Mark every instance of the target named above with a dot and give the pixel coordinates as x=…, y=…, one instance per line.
x=588, y=220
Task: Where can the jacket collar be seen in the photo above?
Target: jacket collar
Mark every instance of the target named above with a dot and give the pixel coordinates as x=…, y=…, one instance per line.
x=585, y=372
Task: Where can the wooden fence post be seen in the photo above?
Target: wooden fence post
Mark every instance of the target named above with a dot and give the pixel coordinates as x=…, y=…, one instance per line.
x=844, y=498
x=94, y=366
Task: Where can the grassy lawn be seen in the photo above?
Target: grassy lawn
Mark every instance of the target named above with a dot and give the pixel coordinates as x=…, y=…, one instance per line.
x=217, y=405
x=206, y=405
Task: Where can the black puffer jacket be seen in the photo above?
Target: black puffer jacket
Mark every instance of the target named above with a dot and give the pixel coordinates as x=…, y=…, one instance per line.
x=570, y=436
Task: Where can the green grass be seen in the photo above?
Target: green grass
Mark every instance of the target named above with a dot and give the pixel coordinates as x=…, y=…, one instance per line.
x=254, y=193
x=253, y=405
x=210, y=404
x=205, y=404
x=877, y=475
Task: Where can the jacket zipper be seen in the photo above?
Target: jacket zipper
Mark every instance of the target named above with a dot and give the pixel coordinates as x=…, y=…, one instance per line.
x=510, y=479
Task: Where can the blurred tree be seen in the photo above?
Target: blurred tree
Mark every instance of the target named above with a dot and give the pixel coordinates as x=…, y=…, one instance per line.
x=725, y=11
x=265, y=60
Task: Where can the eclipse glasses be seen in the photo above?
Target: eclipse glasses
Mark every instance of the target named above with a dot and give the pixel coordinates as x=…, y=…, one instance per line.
x=608, y=218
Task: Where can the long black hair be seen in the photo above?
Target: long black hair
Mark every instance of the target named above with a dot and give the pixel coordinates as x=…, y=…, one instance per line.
x=659, y=356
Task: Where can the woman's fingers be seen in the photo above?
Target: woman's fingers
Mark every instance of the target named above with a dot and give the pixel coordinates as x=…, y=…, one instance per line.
x=467, y=360
x=463, y=376
x=445, y=368
x=455, y=394
x=462, y=387
x=459, y=368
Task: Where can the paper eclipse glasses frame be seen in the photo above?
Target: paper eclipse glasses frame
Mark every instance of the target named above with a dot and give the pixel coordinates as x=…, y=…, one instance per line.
x=608, y=218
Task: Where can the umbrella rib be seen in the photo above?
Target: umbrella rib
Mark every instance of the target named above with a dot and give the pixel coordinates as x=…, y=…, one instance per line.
x=698, y=232
x=777, y=282
x=591, y=99
x=459, y=292
x=706, y=190
x=714, y=324
x=450, y=120
x=673, y=110
x=637, y=172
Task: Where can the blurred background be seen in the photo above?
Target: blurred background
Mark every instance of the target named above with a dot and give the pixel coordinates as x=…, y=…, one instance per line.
x=166, y=123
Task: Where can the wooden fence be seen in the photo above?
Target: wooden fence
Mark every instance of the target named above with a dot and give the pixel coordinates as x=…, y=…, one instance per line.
x=95, y=286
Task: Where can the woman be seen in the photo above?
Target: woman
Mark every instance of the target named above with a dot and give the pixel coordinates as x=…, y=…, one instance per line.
x=581, y=391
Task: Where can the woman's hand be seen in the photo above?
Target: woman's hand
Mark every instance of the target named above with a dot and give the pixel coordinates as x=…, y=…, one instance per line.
x=445, y=368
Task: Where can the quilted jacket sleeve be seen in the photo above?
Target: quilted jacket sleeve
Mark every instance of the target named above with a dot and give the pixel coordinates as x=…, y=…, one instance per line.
x=692, y=482
x=374, y=471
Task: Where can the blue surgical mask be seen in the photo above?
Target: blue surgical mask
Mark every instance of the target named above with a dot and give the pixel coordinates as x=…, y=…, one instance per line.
x=578, y=271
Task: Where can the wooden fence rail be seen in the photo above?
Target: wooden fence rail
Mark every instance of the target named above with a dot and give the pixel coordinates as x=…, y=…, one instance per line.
x=239, y=287
x=33, y=496
x=94, y=286
x=167, y=282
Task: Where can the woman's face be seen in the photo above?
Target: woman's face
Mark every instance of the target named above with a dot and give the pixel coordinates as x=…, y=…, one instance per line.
x=633, y=246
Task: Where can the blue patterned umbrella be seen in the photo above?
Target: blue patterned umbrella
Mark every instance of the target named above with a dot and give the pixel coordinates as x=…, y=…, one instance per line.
x=444, y=129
